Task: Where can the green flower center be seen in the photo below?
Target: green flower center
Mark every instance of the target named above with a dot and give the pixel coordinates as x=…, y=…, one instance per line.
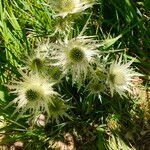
x=118, y=78
x=38, y=63
x=32, y=95
x=76, y=55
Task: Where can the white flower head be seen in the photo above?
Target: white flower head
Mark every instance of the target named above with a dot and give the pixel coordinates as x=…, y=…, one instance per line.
x=38, y=60
x=120, y=77
x=65, y=7
x=33, y=93
x=75, y=56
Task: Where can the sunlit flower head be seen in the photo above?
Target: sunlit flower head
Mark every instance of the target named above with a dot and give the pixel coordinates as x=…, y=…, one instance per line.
x=120, y=77
x=64, y=7
x=33, y=93
x=38, y=60
x=74, y=56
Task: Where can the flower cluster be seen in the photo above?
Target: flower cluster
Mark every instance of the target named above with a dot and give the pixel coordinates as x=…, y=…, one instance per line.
x=77, y=58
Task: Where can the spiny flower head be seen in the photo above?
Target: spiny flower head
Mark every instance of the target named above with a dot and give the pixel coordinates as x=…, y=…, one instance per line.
x=33, y=93
x=65, y=7
x=120, y=77
x=75, y=56
x=38, y=59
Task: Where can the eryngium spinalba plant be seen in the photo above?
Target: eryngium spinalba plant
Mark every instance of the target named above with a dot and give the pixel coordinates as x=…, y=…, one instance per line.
x=70, y=78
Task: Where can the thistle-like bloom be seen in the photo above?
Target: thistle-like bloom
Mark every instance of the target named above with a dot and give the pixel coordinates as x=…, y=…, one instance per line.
x=38, y=61
x=34, y=94
x=65, y=7
x=75, y=56
x=120, y=77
